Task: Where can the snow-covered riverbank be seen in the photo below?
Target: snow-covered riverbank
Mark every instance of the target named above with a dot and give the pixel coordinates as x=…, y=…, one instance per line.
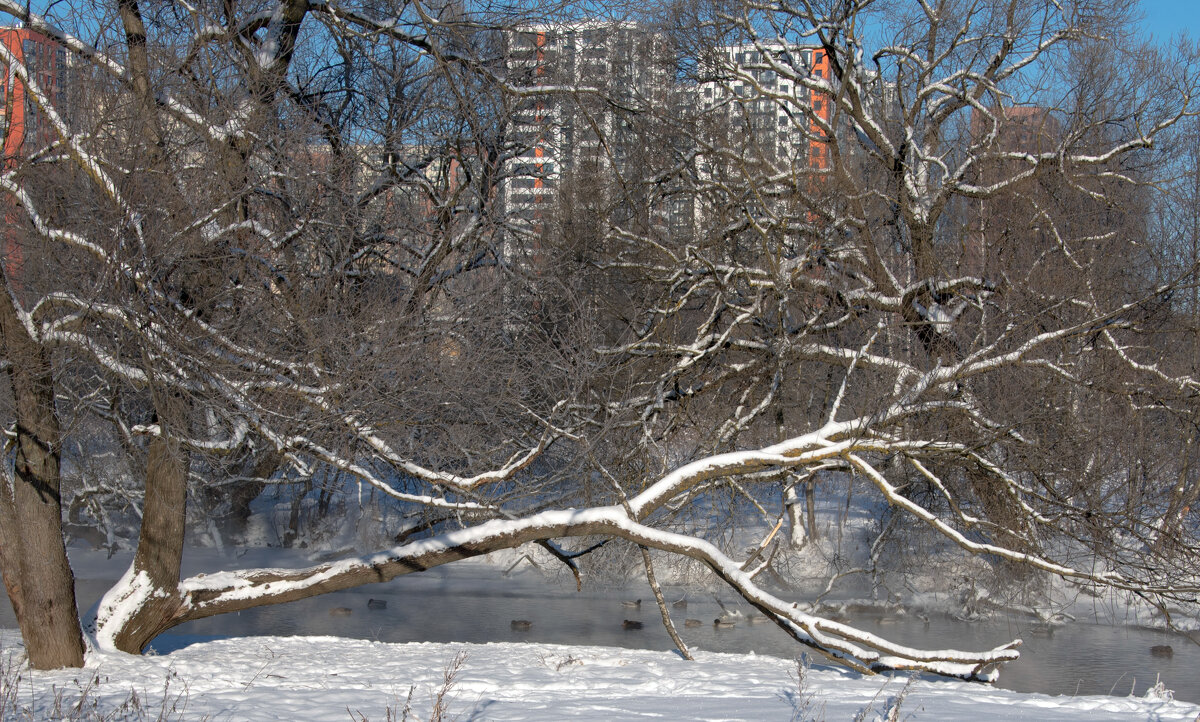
x=324, y=678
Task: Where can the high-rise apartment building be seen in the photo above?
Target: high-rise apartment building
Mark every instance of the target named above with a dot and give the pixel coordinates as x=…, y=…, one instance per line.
x=593, y=88
x=577, y=75
x=24, y=126
x=766, y=110
x=762, y=118
x=45, y=61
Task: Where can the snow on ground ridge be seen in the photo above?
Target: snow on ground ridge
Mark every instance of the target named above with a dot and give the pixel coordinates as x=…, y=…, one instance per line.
x=326, y=678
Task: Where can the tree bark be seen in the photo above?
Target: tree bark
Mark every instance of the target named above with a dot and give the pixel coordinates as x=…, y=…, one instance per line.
x=34, y=560
x=160, y=541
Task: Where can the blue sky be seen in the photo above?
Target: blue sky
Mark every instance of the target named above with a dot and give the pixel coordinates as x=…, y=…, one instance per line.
x=1166, y=18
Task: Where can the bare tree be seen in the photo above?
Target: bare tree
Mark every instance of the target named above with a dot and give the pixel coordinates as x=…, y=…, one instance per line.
x=855, y=271
x=253, y=241
x=283, y=226
x=958, y=245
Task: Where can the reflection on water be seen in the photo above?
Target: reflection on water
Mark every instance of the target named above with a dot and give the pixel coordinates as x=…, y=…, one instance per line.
x=1077, y=659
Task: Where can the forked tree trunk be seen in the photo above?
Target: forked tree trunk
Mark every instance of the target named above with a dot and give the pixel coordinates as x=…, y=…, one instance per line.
x=34, y=561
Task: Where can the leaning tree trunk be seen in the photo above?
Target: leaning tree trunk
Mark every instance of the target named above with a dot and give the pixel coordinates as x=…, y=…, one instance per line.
x=153, y=578
x=33, y=560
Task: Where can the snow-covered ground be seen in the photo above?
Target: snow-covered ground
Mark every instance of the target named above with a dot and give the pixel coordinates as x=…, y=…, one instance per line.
x=325, y=678
x=307, y=677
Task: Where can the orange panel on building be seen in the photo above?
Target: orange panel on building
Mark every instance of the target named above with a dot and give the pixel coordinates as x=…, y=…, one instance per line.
x=818, y=149
x=25, y=129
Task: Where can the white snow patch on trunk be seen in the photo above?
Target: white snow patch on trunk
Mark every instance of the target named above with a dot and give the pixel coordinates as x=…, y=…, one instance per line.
x=119, y=605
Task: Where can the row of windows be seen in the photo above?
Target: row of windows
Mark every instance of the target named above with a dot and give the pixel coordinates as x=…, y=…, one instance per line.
x=755, y=57
x=570, y=39
x=527, y=183
x=532, y=169
x=525, y=199
x=744, y=90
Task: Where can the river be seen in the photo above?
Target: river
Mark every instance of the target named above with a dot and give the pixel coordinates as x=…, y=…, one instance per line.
x=472, y=604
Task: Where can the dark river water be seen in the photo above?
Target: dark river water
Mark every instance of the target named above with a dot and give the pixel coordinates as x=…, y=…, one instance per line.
x=1078, y=659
